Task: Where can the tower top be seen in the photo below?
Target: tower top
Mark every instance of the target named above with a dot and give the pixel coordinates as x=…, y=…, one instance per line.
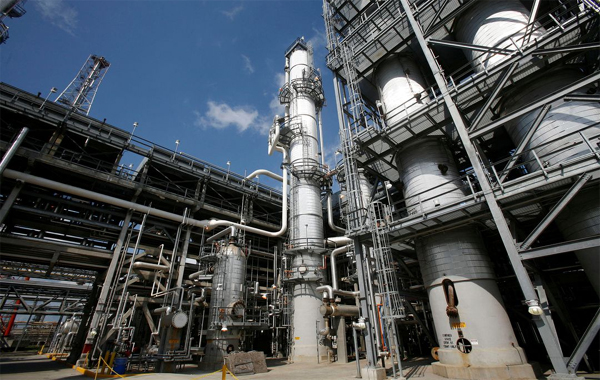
x=80, y=93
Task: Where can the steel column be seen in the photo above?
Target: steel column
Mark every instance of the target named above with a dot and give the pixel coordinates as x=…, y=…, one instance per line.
x=13, y=149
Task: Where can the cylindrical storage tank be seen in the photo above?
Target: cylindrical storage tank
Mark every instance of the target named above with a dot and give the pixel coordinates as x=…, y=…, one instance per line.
x=226, y=301
x=458, y=256
x=553, y=144
x=428, y=174
x=493, y=24
x=401, y=87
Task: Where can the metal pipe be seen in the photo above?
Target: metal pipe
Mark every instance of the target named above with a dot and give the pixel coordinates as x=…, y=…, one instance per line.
x=43, y=182
x=337, y=241
x=320, y=126
x=339, y=310
x=166, y=309
x=13, y=149
x=356, y=353
x=331, y=292
x=144, y=265
x=284, y=222
x=227, y=231
x=258, y=172
x=334, y=253
x=330, y=216
x=325, y=331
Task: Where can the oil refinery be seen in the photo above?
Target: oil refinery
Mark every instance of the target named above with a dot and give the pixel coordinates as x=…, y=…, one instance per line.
x=461, y=221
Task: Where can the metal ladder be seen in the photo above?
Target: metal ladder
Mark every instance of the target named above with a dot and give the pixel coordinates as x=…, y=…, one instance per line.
x=380, y=216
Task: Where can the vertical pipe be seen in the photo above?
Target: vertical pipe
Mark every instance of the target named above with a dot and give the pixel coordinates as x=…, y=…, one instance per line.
x=13, y=149
x=356, y=353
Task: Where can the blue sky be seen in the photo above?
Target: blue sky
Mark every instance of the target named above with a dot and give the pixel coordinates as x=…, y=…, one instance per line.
x=203, y=72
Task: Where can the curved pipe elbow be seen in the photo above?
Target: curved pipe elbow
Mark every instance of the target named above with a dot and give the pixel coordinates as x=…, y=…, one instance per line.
x=264, y=172
x=330, y=216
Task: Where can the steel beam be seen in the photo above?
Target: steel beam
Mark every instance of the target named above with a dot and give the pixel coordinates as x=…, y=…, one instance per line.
x=588, y=337
x=515, y=157
x=558, y=207
x=10, y=200
x=466, y=46
x=567, y=49
x=548, y=337
x=499, y=86
x=554, y=249
x=525, y=110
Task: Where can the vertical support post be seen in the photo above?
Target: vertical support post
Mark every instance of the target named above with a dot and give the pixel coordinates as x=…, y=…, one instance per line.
x=13, y=149
x=371, y=353
x=541, y=322
x=110, y=274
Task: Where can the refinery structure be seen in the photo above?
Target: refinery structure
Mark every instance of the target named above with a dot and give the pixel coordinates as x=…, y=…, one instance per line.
x=466, y=225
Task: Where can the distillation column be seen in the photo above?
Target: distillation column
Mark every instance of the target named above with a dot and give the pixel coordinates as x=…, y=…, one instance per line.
x=306, y=234
x=226, y=304
x=465, y=300
x=502, y=24
x=552, y=143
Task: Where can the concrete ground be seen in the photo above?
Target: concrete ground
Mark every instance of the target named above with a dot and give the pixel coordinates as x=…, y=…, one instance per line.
x=23, y=366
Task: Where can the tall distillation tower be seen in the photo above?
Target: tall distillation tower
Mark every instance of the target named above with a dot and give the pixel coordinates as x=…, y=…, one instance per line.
x=302, y=95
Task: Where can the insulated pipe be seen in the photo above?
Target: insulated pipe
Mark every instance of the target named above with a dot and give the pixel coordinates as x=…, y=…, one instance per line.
x=227, y=231
x=265, y=172
x=13, y=149
x=43, y=182
x=334, y=253
x=337, y=241
x=339, y=310
x=330, y=216
x=330, y=292
x=143, y=265
x=166, y=309
x=284, y=222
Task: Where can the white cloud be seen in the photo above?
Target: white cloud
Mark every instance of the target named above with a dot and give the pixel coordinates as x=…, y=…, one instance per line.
x=59, y=13
x=248, y=64
x=279, y=79
x=319, y=39
x=233, y=12
x=276, y=107
x=222, y=115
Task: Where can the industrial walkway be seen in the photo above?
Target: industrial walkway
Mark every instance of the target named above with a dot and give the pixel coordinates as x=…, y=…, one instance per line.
x=39, y=367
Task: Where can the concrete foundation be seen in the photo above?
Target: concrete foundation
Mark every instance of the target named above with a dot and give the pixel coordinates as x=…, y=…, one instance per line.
x=513, y=372
x=373, y=373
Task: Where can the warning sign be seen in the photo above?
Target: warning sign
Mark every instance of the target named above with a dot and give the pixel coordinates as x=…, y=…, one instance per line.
x=297, y=338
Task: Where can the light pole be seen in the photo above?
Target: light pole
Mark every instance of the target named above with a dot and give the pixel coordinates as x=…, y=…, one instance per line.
x=52, y=91
x=228, y=167
x=135, y=125
x=176, y=147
